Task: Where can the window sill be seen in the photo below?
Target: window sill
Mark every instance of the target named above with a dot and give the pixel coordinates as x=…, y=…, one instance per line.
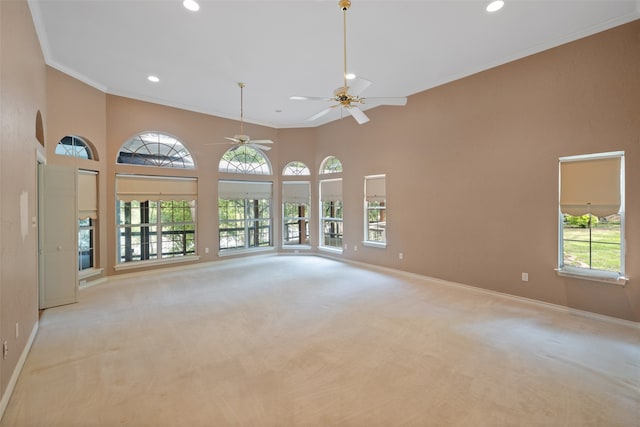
x=295, y=247
x=593, y=275
x=230, y=252
x=330, y=249
x=149, y=263
x=381, y=245
x=90, y=272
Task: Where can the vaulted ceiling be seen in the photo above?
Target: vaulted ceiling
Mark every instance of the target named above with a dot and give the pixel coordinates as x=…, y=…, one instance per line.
x=295, y=47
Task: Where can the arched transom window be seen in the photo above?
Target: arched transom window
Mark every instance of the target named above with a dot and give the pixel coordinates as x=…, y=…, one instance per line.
x=331, y=165
x=244, y=159
x=155, y=149
x=296, y=169
x=74, y=146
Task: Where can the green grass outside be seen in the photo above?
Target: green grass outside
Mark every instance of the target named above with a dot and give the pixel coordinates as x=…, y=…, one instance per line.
x=604, y=256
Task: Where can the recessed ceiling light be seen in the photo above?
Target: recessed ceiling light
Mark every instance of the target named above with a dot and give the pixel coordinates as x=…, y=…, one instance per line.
x=350, y=76
x=153, y=79
x=191, y=5
x=495, y=6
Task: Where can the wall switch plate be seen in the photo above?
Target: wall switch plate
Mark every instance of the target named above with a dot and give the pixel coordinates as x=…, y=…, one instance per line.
x=5, y=349
x=525, y=277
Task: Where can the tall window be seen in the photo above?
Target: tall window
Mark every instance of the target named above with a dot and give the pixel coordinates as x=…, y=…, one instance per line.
x=375, y=206
x=244, y=212
x=156, y=217
x=331, y=213
x=155, y=149
x=295, y=213
x=87, y=218
x=331, y=225
x=296, y=209
x=591, y=237
x=74, y=146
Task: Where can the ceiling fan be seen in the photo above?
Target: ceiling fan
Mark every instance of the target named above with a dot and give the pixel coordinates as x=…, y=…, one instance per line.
x=242, y=139
x=348, y=97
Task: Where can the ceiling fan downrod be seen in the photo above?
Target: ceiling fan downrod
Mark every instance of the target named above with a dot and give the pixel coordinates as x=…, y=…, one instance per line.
x=344, y=6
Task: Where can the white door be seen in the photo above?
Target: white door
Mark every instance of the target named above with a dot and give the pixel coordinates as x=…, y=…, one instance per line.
x=58, y=235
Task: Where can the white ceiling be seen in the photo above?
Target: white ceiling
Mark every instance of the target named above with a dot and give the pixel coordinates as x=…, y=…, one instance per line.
x=294, y=47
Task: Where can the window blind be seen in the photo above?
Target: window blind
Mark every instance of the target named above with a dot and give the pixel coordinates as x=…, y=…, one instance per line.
x=590, y=185
x=240, y=190
x=375, y=188
x=145, y=187
x=295, y=192
x=87, y=194
x=331, y=190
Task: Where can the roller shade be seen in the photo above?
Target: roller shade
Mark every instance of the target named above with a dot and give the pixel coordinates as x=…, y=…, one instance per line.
x=295, y=192
x=590, y=186
x=331, y=190
x=375, y=188
x=143, y=187
x=87, y=194
x=240, y=190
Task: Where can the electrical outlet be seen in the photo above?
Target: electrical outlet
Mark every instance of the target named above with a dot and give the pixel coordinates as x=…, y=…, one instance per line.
x=206, y=250
x=400, y=255
x=355, y=248
x=525, y=277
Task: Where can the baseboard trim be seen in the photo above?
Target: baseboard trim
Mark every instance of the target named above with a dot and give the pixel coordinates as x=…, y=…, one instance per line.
x=18, y=369
x=548, y=305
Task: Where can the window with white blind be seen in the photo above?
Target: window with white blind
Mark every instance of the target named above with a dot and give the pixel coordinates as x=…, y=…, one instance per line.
x=375, y=211
x=156, y=217
x=244, y=215
x=331, y=214
x=87, y=219
x=591, y=219
x=295, y=213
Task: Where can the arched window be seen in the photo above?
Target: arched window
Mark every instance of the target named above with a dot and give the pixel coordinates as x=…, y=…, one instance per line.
x=295, y=168
x=244, y=159
x=155, y=149
x=331, y=165
x=74, y=146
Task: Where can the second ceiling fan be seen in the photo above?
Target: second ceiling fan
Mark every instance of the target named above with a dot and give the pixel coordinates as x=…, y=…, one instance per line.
x=348, y=97
x=241, y=138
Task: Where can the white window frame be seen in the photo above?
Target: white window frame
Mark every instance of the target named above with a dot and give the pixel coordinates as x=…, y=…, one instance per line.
x=296, y=218
x=323, y=219
x=368, y=207
x=587, y=273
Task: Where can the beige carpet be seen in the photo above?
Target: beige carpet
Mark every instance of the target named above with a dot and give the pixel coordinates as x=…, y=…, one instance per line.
x=308, y=341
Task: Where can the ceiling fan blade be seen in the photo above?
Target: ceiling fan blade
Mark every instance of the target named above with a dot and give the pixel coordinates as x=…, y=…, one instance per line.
x=261, y=141
x=320, y=114
x=358, y=85
x=357, y=114
x=258, y=146
x=389, y=100
x=232, y=139
x=309, y=98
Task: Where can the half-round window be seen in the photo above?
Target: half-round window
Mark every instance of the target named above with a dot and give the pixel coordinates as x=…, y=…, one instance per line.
x=155, y=149
x=244, y=159
x=331, y=165
x=75, y=147
x=296, y=169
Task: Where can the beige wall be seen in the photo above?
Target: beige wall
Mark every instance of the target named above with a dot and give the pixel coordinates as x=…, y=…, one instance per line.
x=22, y=95
x=472, y=170
x=77, y=109
x=471, y=167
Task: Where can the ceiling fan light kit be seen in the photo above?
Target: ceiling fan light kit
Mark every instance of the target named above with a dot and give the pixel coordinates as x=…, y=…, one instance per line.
x=347, y=97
